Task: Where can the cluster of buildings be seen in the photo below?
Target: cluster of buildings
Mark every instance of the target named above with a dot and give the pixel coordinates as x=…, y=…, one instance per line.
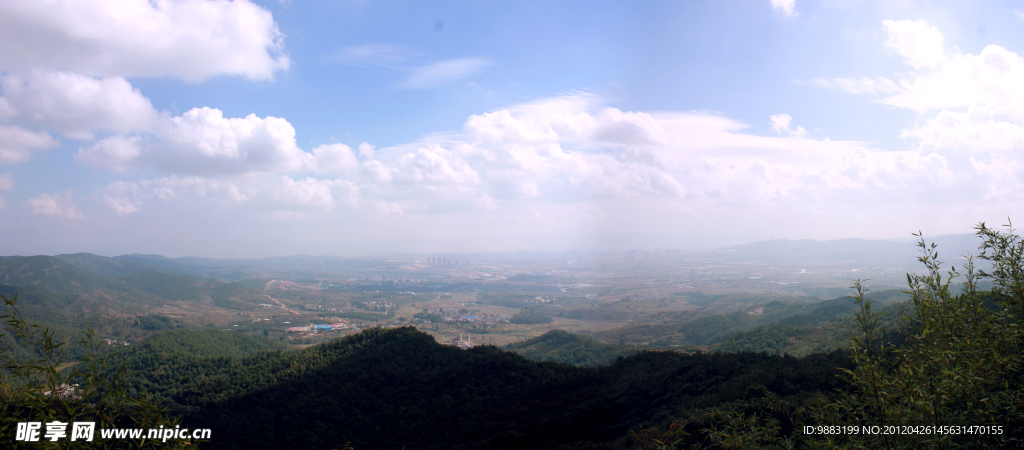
x=461, y=342
x=473, y=316
x=313, y=328
x=376, y=306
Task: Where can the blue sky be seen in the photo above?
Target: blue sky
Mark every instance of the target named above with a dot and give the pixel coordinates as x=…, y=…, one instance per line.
x=246, y=129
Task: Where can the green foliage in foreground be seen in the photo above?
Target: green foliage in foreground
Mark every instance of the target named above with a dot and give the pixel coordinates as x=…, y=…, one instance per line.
x=36, y=391
x=567, y=348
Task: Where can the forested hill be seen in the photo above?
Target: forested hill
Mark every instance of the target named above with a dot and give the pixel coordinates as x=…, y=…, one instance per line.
x=394, y=388
x=568, y=348
x=202, y=344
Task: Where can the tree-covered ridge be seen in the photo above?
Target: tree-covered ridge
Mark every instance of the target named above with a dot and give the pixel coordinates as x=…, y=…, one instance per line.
x=695, y=331
x=568, y=348
x=203, y=344
x=800, y=340
x=387, y=388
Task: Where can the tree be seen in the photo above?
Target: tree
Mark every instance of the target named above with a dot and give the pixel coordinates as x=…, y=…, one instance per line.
x=37, y=391
x=956, y=382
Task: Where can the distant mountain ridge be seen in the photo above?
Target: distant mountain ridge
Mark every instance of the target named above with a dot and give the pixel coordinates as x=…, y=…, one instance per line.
x=902, y=252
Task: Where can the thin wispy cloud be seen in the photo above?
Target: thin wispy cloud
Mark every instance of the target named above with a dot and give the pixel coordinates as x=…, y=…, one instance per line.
x=444, y=72
x=371, y=55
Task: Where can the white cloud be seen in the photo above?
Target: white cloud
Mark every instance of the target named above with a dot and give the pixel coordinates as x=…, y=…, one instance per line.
x=538, y=159
x=858, y=86
x=17, y=143
x=920, y=44
x=944, y=78
x=435, y=165
x=780, y=124
x=787, y=7
x=203, y=141
x=6, y=184
x=308, y=192
x=444, y=72
x=187, y=39
x=991, y=77
x=973, y=146
x=982, y=128
x=334, y=158
x=55, y=205
x=116, y=153
x=75, y=104
x=259, y=192
x=127, y=197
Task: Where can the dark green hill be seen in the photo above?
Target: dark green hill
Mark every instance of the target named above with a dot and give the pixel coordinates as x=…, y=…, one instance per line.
x=389, y=388
x=567, y=348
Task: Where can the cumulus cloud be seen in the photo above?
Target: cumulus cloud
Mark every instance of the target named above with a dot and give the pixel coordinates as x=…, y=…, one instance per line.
x=780, y=123
x=435, y=165
x=127, y=197
x=55, y=205
x=944, y=78
x=981, y=128
x=203, y=141
x=115, y=153
x=920, y=44
x=334, y=158
x=262, y=192
x=973, y=133
x=444, y=72
x=572, y=149
x=75, y=104
x=187, y=39
x=787, y=7
x=17, y=143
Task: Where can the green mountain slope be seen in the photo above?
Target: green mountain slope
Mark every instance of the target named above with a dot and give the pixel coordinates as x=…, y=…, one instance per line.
x=54, y=274
x=567, y=348
x=117, y=266
x=700, y=331
x=393, y=388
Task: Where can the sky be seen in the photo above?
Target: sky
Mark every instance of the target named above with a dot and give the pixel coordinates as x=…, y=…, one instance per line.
x=254, y=129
